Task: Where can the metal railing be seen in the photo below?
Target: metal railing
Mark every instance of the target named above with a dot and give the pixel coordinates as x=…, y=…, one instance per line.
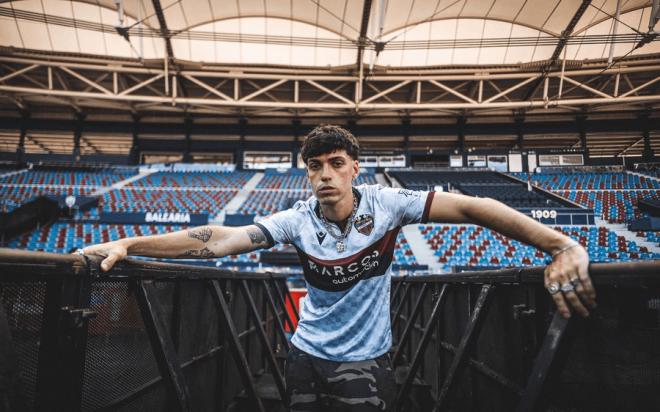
x=159, y=336
x=145, y=336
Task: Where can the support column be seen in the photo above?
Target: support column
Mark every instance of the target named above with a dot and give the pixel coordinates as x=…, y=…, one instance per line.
x=295, y=149
x=519, y=121
x=240, y=150
x=134, y=154
x=405, y=129
x=647, y=152
x=20, y=150
x=460, y=126
x=77, y=134
x=187, y=127
x=581, y=123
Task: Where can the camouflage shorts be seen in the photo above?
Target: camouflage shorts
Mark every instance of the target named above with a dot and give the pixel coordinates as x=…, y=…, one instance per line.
x=314, y=384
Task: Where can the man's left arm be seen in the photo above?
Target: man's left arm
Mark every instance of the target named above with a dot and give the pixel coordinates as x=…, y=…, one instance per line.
x=570, y=260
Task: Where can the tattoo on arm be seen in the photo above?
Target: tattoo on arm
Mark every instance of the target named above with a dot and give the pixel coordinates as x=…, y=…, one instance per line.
x=205, y=253
x=201, y=233
x=256, y=235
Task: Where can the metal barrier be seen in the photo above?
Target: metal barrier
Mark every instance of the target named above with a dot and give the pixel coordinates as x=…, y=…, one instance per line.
x=159, y=336
x=145, y=336
x=492, y=341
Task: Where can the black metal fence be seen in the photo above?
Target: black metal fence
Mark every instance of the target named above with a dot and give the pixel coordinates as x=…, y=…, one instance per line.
x=157, y=336
x=146, y=336
x=492, y=341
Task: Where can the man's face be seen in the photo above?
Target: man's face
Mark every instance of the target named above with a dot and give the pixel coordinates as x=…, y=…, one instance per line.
x=331, y=176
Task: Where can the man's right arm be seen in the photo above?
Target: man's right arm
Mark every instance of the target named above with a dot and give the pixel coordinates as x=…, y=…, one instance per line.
x=203, y=242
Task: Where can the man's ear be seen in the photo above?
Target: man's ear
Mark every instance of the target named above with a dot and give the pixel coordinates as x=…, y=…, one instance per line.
x=356, y=169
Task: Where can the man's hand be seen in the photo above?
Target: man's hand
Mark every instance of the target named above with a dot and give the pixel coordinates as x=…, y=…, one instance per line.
x=567, y=280
x=111, y=251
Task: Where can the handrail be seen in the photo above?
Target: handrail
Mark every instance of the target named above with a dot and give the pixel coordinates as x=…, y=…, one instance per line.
x=600, y=273
x=55, y=264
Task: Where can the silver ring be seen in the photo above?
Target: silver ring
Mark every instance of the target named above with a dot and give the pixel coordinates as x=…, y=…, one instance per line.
x=80, y=251
x=567, y=287
x=574, y=281
x=553, y=288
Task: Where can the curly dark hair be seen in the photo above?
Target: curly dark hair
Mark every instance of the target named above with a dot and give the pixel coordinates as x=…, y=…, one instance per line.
x=327, y=139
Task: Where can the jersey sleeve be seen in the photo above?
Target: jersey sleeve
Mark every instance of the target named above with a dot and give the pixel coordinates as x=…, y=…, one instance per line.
x=282, y=227
x=404, y=205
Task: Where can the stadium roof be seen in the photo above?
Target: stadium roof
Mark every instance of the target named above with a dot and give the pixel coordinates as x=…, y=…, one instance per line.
x=323, y=33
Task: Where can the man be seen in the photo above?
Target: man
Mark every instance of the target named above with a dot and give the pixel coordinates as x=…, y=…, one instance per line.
x=345, y=237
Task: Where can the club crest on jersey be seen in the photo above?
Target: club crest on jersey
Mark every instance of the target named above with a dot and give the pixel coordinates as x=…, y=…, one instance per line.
x=320, y=236
x=364, y=224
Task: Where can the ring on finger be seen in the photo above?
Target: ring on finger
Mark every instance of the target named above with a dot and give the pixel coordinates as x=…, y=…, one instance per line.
x=553, y=288
x=574, y=281
x=80, y=251
x=567, y=287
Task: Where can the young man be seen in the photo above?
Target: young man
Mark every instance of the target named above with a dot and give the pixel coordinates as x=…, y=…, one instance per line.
x=345, y=238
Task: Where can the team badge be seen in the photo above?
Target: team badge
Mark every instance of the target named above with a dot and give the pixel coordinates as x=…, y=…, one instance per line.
x=320, y=236
x=364, y=224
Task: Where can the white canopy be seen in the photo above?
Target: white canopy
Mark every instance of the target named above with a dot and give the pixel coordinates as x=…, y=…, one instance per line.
x=325, y=33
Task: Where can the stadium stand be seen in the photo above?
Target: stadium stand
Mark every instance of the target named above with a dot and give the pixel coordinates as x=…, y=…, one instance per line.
x=424, y=180
x=616, y=206
x=475, y=246
x=13, y=196
x=575, y=179
x=226, y=180
x=63, y=237
x=161, y=199
x=266, y=202
x=476, y=183
x=514, y=195
x=69, y=178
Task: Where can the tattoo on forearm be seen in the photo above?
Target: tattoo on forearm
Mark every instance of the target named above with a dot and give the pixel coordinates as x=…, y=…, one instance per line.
x=256, y=235
x=205, y=253
x=202, y=233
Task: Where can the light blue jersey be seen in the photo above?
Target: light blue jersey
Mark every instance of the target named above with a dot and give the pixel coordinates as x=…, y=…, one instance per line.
x=346, y=314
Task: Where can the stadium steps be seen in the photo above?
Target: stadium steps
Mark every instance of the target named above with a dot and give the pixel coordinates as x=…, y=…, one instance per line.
x=422, y=251
x=380, y=179
x=643, y=175
x=105, y=189
x=622, y=230
x=236, y=202
x=15, y=172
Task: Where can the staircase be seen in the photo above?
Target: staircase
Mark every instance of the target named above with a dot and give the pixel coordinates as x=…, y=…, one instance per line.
x=420, y=248
x=644, y=176
x=622, y=230
x=236, y=202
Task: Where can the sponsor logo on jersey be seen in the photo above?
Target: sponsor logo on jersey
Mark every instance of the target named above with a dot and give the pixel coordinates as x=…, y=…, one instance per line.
x=364, y=224
x=342, y=274
x=320, y=236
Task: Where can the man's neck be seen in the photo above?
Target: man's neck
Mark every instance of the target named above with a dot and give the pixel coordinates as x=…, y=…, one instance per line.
x=340, y=211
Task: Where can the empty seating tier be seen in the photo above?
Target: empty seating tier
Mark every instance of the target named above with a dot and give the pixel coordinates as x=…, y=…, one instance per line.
x=13, y=196
x=577, y=180
x=616, y=206
x=155, y=200
x=228, y=180
x=477, y=246
x=266, y=202
x=67, y=178
x=65, y=237
x=514, y=195
x=425, y=180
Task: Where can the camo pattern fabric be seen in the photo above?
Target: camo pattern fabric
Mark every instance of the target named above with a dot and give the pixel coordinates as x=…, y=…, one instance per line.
x=315, y=384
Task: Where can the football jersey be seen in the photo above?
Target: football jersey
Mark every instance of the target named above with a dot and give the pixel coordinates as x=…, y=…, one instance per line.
x=346, y=314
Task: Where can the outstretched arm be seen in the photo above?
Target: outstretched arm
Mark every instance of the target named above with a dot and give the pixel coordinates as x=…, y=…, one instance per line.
x=201, y=242
x=570, y=260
